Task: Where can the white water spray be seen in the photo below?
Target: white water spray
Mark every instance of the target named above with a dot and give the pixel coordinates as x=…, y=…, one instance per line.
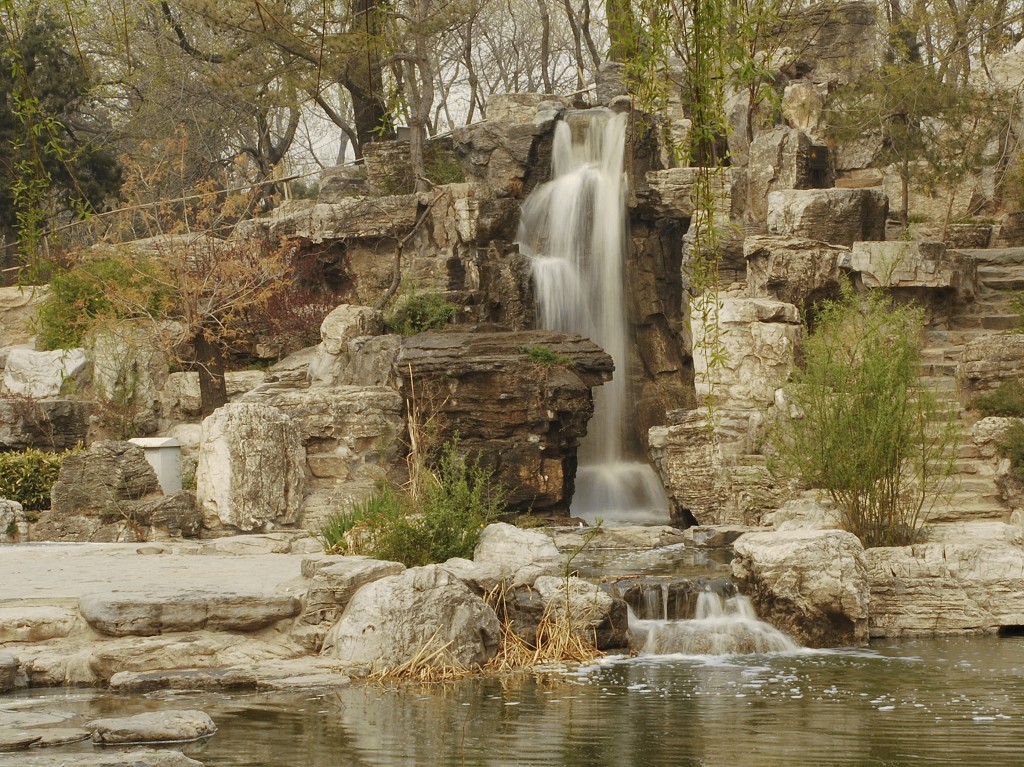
x=574, y=230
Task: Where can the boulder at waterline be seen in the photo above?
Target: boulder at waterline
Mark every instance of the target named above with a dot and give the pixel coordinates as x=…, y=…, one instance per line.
x=812, y=584
x=8, y=671
x=593, y=614
x=153, y=727
x=519, y=555
x=391, y=621
x=334, y=585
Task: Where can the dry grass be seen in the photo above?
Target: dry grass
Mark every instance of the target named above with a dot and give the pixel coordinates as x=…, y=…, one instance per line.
x=432, y=664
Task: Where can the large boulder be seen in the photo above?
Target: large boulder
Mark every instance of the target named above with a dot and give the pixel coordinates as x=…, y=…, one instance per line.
x=584, y=608
x=945, y=588
x=49, y=424
x=333, y=585
x=181, y=399
x=795, y=271
x=780, y=159
x=811, y=584
x=130, y=368
x=688, y=457
x=100, y=481
x=13, y=522
x=835, y=216
x=45, y=374
x=913, y=264
x=670, y=193
x=835, y=43
x=425, y=611
x=251, y=473
x=518, y=556
x=350, y=353
x=524, y=419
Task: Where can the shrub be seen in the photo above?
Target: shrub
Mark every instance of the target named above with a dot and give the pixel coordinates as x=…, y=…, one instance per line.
x=1012, y=446
x=419, y=312
x=539, y=354
x=865, y=430
x=28, y=476
x=1007, y=401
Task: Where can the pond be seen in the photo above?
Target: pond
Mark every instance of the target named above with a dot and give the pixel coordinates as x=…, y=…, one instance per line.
x=929, y=701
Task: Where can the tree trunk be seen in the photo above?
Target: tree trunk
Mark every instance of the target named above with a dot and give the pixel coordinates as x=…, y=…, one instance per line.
x=363, y=76
x=213, y=390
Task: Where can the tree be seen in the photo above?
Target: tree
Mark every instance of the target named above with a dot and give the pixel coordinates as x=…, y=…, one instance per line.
x=863, y=428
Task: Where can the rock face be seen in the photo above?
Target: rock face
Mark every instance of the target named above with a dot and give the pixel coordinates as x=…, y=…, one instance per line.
x=688, y=458
x=950, y=588
x=339, y=333
x=914, y=265
x=525, y=419
x=836, y=216
x=8, y=671
x=811, y=584
x=43, y=374
x=519, y=556
x=18, y=306
x=781, y=159
x=153, y=727
x=129, y=371
x=334, y=585
x=180, y=399
x=838, y=42
x=376, y=630
x=147, y=615
x=592, y=614
x=252, y=468
x=988, y=361
x=798, y=272
x=669, y=193
x=13, y=522
x=50, y=424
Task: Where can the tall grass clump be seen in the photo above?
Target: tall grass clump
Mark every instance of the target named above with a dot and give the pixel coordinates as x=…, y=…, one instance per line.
x=861, y=426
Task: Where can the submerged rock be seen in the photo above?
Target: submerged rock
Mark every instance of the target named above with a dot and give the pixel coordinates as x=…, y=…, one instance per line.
x=153, y=727
x=140, y=757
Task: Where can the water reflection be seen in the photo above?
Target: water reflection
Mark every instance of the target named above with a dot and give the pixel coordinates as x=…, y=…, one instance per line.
x=946, y=702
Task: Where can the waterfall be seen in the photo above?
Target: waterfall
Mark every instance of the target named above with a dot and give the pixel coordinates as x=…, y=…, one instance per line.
x=720, y=627
x=573, y=229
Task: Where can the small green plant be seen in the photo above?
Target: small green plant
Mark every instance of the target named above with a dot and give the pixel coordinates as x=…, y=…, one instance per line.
x=419, y=312
x=539, y=354
x=28, y=476
x=1007, y=400
x=442, y=167
x=1012, y=446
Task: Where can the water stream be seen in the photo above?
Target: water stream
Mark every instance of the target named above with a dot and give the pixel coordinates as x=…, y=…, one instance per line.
x=574, y=231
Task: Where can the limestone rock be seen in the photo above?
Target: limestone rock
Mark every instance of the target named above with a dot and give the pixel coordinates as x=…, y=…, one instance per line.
x=376, y=630
x=347, y=342
x=372, y=218
x=593, y=614
x=105, y=481
x=36, y=623
x=13, y=522
x=519, y=107
x=252, y=468
x=333, y=585
x=524, y=419
x=51, y=424
x=136, y=757
x=805, y=514
x=669, y=193
x=794, y=271
x=945, y=588
x=8, y=672
x=342, y=181
x=153, y=727
x=346, y=323
x=45, y=374
x=803, y=107
x=180, y=399
x=811, y=584
x=520, y=556
x=129, y=371
x=688, y=457
x=781, y=159
x=835, y=216
x=837, y=43
x=503, y=156
x=914, y=265
x=141, y=614
x=18, y=740
x=989, y=360
x=18, y=306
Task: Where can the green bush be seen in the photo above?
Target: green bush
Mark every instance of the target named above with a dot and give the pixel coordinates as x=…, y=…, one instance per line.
x=79, y=297
x=419, y=312
x=28, y=476
x=539, y=354
x=459, y=499
x=1012, y=446
x=865, y=430
x=1007, y=400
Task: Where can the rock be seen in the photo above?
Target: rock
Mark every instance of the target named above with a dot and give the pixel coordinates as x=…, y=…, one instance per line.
x=520, y=108
x=153, y=727
x=13, y=522
x=610, y=82
x=17, y=740
x=813, y=585
x=8, y=673
x=366, y=361
x=130, y=368
x=523, y=419
x=342, y=181
x=837, y=43
x=482, y=577
x=107, y=481
x=669, y=192
x=180, y=399
x=835, y=216
x=346, y=323
x=620, y=538
x=914, y=265
x=370, y=218
x=781, y=159
x=221, y=680
x=141, y=614
x=376, y=630
x=252, y=468
x=593, y=614
x=688, y=457
x=806, y=514
x=333, y=585
x=945, y=588
x=51, y=424
x=803, y=107
x=36, y=623
x=798, y=272
x=519, y=555
x=60, y=736
x=137, y=757
x=759, y=339
x=988, y=361
x=507, y=158
x=18, y=306
x=45, y=374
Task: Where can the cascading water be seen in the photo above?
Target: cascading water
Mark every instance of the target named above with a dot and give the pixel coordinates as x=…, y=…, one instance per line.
x=574, y=230
x=720, y=627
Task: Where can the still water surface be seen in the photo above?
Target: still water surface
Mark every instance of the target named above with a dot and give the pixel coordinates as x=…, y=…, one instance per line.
x=923, y=702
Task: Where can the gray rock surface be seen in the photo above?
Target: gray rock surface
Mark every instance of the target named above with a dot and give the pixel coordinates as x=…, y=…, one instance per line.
x=138, y=757
x=377, y=632
x=44, y=374
x=519, y=556
x=835, y=216
x=8, y=671
x=153, y=727
x=50, y=424
x=139, y=614
x=13, y=522
x=334, y=585
x=592, y=613
x=914, y=265
x=795, y=271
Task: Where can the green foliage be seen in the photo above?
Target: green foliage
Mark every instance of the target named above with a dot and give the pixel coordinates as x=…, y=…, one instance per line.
x=418, y=312
x=539, y=354
x=27, y=477
x=442, y=167
x=865, y=430
x=1012, y=446
x=81, y=297
x=457, y=501
x=1006, y=401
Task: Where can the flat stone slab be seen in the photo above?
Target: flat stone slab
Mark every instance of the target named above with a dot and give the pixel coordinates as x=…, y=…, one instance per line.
x=176, y=726
x=139, y=757
x=288, y=674
x=16, y=740
x=150, y=614
x=36, y=623
x=60, y=736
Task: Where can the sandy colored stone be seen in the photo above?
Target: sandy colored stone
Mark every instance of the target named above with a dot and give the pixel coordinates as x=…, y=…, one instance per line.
x=153, y=727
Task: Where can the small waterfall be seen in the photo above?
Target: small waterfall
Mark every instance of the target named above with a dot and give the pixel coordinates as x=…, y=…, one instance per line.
x=574, y=230
x=722, y=626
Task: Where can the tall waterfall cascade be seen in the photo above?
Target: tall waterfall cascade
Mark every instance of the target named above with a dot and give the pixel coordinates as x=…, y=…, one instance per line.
x=574, y=231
